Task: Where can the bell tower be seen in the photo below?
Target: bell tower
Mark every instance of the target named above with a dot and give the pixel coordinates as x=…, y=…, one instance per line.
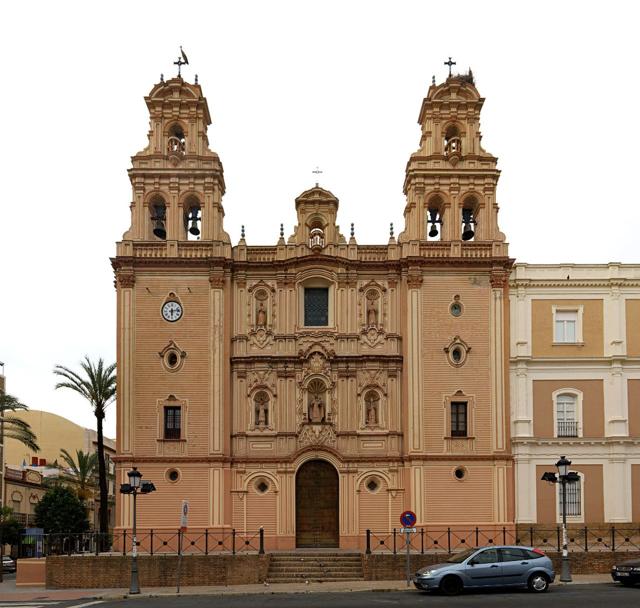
x=451, y=180
x=177, y=181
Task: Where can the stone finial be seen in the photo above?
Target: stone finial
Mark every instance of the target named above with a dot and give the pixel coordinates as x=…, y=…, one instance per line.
x=242, y=231
x=161, y=77
x=391, y=229
x=281, y=231
x=196, y=79
x=353, y=232
x=433, y=80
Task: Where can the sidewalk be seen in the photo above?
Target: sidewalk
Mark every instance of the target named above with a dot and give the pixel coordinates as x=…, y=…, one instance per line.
x=9, y=591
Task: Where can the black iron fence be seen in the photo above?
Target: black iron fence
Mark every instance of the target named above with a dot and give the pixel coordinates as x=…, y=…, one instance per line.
x=423, y=540
x=451, y=540
x=149, y=542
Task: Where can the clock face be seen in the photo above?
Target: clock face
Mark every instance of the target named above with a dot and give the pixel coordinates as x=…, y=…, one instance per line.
x=171, y=311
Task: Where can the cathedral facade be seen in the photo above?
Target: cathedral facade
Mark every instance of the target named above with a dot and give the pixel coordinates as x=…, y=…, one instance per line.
x=315, y=388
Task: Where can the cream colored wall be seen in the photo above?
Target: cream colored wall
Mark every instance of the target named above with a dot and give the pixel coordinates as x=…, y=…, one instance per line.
x=633, y=326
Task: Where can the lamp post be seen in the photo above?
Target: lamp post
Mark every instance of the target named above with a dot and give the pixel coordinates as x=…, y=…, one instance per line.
x=563, y=478
x=134, y=486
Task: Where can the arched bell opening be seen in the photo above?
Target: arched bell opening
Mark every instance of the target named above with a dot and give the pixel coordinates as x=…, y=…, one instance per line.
x=435, y=208
x=158, y=216
x=468, y=218
x=177, y=141
x=452, y=144
x=317, y=505
x=192, y=219
x=316, y=234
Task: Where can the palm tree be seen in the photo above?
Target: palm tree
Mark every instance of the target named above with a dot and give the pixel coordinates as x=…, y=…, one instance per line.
x=83, y=470
x=97, y=384
x=12, y=427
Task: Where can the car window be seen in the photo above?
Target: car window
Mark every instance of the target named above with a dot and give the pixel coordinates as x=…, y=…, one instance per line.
x=458, y=558
x=514, y=555
x=533, y=554
x=489, y=556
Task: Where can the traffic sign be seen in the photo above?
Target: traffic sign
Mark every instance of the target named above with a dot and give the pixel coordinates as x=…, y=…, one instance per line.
x=184, y=514
x=408, y=519
x=408, y=530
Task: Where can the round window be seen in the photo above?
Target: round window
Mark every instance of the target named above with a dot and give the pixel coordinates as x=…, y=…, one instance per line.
x=456, y=355
x=261, y=486
x=372, y=484
x=173, y=475
x=460, y=473
x=456, y=309
x=172, y=359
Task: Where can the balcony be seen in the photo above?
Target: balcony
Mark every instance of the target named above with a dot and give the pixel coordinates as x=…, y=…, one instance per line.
x=567, y=428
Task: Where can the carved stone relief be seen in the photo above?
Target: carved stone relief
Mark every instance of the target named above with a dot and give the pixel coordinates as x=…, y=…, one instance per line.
x=261, y=312
x=372, y=305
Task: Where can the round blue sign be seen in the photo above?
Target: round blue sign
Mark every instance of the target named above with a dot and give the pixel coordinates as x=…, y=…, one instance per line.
x=408, y=519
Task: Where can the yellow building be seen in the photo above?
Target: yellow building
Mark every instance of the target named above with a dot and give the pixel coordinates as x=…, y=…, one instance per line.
x=316, y=387
x=53, y=433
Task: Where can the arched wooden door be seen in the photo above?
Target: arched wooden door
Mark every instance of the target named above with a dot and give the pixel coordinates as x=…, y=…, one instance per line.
x=317, y=523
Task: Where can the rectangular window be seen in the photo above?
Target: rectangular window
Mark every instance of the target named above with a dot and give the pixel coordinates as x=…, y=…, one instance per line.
x=316, y=306
x=458, y=419
x=566, y=416
x=566, y=322
x=172, y=422
x=574, y=499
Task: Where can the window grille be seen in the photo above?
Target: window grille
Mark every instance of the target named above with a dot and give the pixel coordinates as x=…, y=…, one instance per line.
x=172, y=422
x=458, y=419
x=574, y=498
x=316, y=306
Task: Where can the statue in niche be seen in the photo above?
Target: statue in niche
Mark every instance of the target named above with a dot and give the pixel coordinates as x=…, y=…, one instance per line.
x=371, y=408
x=261, y=315
x=261, y=401
x=316, y=411
x=372, y=309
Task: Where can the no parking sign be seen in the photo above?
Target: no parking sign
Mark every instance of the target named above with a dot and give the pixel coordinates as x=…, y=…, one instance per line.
x=408, y=519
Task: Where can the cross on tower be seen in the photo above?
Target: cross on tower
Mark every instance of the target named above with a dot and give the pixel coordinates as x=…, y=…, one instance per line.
x=181, y=61
x=317, y=171
x=450, y=63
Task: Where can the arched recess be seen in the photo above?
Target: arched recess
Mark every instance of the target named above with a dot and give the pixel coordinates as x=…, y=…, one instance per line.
x=374, y=502
x=470, y=216
x=317, y=505
x=258, y=503
x=434, y=216
x=156, y=216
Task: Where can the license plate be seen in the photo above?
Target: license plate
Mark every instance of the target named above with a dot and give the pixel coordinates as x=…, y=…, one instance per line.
x=623, y=574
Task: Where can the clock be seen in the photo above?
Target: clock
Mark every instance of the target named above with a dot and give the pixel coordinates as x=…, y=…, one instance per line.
x=171, y=311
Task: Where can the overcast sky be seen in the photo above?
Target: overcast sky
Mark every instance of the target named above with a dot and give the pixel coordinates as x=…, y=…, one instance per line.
x=292, y=85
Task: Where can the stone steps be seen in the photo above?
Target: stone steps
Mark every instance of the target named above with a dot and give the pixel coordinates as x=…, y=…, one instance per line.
x=314, y=567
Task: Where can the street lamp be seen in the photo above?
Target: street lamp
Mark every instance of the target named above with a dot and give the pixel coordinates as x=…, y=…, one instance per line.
x=134, y=486
x=564, y=476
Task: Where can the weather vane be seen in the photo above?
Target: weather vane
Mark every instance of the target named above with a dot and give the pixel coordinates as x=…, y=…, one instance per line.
x=317, y=172
x=181, y=61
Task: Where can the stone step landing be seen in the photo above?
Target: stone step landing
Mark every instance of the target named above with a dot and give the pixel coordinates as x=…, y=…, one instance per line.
x=314, y=567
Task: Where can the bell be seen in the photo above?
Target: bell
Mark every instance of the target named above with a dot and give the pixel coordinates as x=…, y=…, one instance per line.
x=433, y=232
x=433, y=220
x=193, y=217
x=467, y=219
x=193, y=229
x=159, y=229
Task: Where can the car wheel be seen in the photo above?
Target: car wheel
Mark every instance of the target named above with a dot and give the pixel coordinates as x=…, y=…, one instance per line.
x=538, y=582
x=451, y=585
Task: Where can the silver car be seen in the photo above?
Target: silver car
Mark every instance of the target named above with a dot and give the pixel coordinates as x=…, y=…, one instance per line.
x=503, y=566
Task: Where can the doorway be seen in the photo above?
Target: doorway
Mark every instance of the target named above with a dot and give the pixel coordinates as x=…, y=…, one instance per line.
x=317, y=518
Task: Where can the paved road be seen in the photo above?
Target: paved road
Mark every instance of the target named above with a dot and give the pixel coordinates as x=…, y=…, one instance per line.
x=577, y=596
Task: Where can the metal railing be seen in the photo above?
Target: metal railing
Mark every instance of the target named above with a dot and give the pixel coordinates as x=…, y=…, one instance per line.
x=424, y=540
x=150, y=542
x=451, y=540
x=567, y=428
